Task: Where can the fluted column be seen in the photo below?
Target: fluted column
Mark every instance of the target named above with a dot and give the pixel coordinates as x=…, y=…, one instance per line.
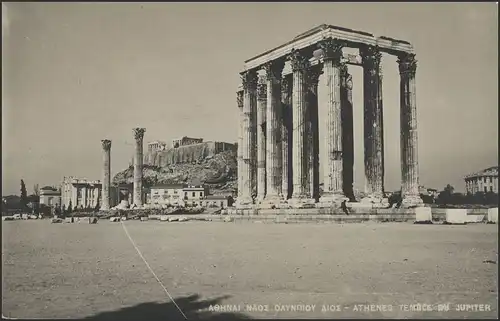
x=261, y=138
x=239, y=101
x=274, y=144
x=409, y=142
x=332, y=176
x=286, y=138
x=106, y=173
x=299, y=149
x=139, y=138
x=373, y=127
x=347, y=132
x=249, y=79
x=313, y=132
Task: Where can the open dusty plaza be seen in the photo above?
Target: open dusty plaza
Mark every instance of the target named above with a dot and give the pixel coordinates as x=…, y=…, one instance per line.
x=94, y=271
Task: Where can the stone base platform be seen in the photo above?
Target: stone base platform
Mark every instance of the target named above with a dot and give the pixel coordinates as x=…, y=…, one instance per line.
x=315, y=215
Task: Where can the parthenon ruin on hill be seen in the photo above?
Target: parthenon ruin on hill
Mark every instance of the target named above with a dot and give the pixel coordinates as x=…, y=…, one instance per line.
x=278, y=147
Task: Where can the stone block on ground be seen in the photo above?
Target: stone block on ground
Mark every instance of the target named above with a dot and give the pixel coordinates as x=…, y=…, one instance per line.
x=423, y=215
x=114, y=219
x=56, y=220
x=493, y=215
x=163, y=218
x=25, y=216
x=173, y=219
x=456, y=216
x=7, y=218
x=144, y=218
x=228, y=219
x=183, y=219
x=69, y=219
x=92, y=220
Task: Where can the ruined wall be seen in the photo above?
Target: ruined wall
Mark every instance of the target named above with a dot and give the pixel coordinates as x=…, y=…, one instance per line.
x=186, y=154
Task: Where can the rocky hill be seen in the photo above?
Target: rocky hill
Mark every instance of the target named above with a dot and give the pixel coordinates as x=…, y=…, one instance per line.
x=219, y=172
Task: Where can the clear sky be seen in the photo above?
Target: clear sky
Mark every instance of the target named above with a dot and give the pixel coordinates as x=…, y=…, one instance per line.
x=76, y=73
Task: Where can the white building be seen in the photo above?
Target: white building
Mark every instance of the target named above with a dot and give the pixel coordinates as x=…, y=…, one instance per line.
x=482, y=181
x=50, y=196
x=83, y=193
x=173, y=193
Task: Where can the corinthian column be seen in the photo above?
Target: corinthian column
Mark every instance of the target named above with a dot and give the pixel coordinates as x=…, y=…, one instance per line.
x=299, y=149
x=106, y=173
x=373, y=127
x=239, y=101
x=139, y=137
x=249, y=79
x=347, y=132
x=409, y=142
x=286, y=138
x=261, y=138
x=274, y=119
x=312, y=129
x=332, y=176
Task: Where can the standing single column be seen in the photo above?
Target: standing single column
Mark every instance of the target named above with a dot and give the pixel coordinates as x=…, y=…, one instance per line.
x=106, y=173
x=274, y=195
x=84, y=197
x=286, y=139
x=332, y=177
x=239, y=101
x=409, y=142
x=313, y=131
x=261, y=138
x=300, y=170
x=139, y=138
x=373, y=127
x=249, y=79
x=347, y=132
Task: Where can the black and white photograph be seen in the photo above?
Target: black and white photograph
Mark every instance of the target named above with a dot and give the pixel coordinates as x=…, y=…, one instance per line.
x=239, y=160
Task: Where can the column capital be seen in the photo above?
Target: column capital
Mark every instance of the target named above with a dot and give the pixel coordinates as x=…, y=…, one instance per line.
x=239, y=98
x=407, y=64
x=262, y=89
x=106, y=144
x=371, y=57
x=332, y=49
x=249, y=79
x=313, y=76
x=274, y=69
x=139, y=133
x=298, y=61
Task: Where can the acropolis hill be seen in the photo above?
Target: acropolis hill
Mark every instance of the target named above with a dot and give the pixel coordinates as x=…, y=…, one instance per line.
x=211, y=163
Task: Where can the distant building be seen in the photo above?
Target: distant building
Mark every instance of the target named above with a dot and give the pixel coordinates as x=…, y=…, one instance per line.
x=216, y=201
x=173, y=193
x=156, y=146
x=50, y=196
x=186, y=141
x=482, y=181
x=83, y=193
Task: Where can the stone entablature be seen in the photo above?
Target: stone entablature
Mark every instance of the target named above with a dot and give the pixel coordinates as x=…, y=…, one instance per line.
x=355, y=39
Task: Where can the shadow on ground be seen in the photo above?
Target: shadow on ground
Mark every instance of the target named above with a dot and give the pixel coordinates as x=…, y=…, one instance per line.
x=192, y=307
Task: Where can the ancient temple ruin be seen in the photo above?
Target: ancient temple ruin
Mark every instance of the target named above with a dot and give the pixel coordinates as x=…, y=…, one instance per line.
x=278, y=144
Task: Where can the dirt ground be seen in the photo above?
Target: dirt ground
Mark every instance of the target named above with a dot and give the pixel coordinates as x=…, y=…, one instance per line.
x=248, y=270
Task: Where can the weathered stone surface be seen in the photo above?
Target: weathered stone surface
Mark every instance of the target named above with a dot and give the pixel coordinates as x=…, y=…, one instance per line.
x=56, y=220
x=493, y=215
x=456, y=216
x=423, y=214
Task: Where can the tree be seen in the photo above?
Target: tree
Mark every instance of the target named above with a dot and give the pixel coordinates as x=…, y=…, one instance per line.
x=24, y=194
x=36, y=190
x=445, y=197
